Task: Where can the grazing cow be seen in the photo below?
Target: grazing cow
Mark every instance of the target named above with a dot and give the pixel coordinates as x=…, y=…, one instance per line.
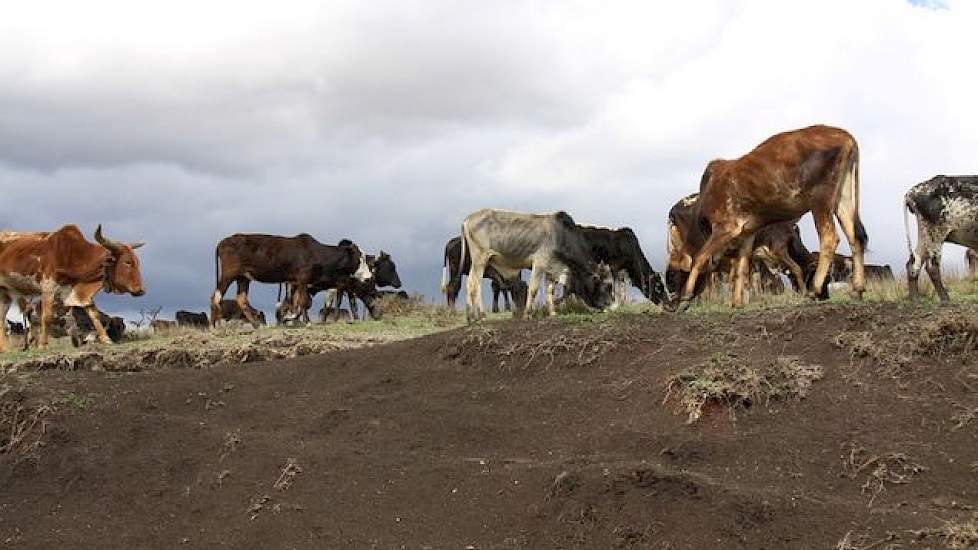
x=64, y=265
x=971, y=258
x=300, y=260
x=813, y=169
x=384, y=274
x=191, y=319
x=619, y=249
x=552, y=246
x=454, y=266
x=230, y=310
x=840, y=271
x=83, y=330
x=162, y=325
x=879, y=273
x=778, y=246
x=946, y=208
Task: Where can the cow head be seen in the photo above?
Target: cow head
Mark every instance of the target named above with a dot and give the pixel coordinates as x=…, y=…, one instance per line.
x=122, y=270
x=356, y=257
x=595, y=285
x=384, y=270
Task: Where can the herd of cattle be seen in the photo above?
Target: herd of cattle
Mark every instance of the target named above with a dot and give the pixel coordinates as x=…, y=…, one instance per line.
x=741, y=226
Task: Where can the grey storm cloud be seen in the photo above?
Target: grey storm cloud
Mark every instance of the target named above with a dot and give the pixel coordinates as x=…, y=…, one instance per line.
x=387, y=122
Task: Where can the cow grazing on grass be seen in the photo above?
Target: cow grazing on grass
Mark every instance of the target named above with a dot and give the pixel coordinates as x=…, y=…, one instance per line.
x=162, y=325
x=778, y=246
x=83, y=330
x=300, y=260
x=230, y=310
x=552, y=246
x=814, y=169
x=879, y=273
x=191, y=319
x=619, y=249
x=454, y=266
x=946, y=208
x=384, y=274
x=63, y=265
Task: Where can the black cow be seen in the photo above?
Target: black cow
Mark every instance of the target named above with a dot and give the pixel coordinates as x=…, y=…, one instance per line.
x=451, y=281
x=384, y=272
x=191, y=319
x=15, y=328
x=300, y=260
x=115, y=327
x=619, y=249
x=946, y=208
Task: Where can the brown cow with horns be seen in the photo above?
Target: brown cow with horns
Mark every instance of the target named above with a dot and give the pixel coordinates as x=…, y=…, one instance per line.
x=812, y=169
x=63, y=265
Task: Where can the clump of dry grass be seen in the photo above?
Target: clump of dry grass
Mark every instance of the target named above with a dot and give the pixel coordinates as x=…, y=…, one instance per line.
x=894, y=349
x=579, y=350
x=727, y=380
x=956, y=535
x=22, y=425
x=854, y=542
x=879, y=469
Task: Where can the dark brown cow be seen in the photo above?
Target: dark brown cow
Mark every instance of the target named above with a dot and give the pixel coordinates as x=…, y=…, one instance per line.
x=62, y=264
x=191, y=319
x=778, y=246
x=814, y=169
x=299, y=260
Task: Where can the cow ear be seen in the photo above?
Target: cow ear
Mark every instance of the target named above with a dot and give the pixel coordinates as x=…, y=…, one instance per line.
x=384, y=255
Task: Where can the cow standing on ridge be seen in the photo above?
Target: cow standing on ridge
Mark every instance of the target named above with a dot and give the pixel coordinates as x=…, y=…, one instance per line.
x=62, y=264
x=812, y=169
x=946, y=208
x=552, y=246
x=299, y=260
x=619, y=249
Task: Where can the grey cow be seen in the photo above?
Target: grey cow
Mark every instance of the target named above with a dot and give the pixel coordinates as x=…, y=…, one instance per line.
x=551, y=246
x=946, y=208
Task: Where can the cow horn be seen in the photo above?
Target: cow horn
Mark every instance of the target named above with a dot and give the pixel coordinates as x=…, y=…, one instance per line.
x=107, y=243
x=136, y=245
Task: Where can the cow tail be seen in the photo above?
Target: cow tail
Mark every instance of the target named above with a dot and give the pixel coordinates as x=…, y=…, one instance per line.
x=217, y=266
x=853, y=176
x=461, y=256
x=907, y=210
x=444, y=271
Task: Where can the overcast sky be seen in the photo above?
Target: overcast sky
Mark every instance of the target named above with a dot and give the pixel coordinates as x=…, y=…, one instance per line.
x=179, y=123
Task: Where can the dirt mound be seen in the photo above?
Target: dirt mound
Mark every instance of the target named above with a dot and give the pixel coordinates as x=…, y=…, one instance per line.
x=518, y=435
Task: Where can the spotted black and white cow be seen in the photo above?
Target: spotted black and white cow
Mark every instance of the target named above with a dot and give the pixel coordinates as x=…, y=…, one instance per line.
x=946, y=208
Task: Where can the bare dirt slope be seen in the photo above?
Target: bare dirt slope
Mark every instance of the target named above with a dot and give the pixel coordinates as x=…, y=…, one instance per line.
x=542, y=434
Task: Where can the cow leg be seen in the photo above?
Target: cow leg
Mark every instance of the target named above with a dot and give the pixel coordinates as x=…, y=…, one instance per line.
x=352, y=298
x=742, y=271
x=796, y=272
x=47, y=312
x=242, y=299
x=533, y=285
x=495, y=295
x=551, y=289
x=92, y=312
x=934, y=271
x=929, y=242
x=507, y=299
x=828, y=241
x=718, y=242
x=473, y=298
x=4, y=308
x=852, y=227
x=222, y=288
